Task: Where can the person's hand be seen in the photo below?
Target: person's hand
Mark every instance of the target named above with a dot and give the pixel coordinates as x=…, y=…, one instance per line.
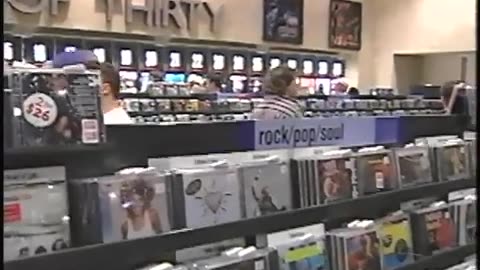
x=453, y=97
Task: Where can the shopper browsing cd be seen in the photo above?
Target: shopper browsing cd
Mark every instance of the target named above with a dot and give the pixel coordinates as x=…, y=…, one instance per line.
x=113, y=112
x=280, y=92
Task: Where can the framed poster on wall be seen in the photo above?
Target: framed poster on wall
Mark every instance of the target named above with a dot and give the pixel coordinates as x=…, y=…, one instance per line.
x=283, y=21
x=345, y=25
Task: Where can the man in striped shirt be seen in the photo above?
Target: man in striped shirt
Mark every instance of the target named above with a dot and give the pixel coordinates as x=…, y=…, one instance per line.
x=279, y=101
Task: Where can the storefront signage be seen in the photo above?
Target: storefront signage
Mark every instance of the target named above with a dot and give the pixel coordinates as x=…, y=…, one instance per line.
x=160, y=13
x=183, y=14
x=37, y=6
x=314, y=132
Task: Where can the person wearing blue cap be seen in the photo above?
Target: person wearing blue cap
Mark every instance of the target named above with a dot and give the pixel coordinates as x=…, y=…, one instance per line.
x=113, y=112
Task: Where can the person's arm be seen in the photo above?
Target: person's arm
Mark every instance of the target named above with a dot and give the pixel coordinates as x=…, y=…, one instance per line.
x=124, y=230
x=155, y=219
x=453, y=97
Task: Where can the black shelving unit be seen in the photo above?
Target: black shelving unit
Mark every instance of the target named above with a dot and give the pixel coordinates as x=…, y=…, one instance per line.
x=442, y=260
x=128, y=254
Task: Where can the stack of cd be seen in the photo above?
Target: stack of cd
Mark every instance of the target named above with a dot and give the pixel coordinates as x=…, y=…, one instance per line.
x=209, y=196
x=396, y=246
x=375, y=170
x=266, y=187
x=35, y=212
x=413, y=165
x=433, y=229
x=464, y=214
x=354, y=248
x=132, y=204
x=54, y=107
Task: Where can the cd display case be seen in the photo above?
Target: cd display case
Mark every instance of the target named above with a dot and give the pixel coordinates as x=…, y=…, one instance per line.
x=396, y=244
x=54, y=107
x=337, y=176
x=413, y=166
x=433, y=230
x=376, y=171
x=206, y=196
x=451, y=160
x=265, y=188
x=120, y=207
x=35, y=212
x=464, y=214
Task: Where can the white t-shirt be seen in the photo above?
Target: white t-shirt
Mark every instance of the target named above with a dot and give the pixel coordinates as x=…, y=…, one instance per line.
x=117, y=116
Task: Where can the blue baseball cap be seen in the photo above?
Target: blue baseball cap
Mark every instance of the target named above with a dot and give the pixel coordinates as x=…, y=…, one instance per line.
x=73, y=58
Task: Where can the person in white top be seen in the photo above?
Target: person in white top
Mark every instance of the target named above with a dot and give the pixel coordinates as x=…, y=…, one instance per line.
x=113, y=112
x=142, y=219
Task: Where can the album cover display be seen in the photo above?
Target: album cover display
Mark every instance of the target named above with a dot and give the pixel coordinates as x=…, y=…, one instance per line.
x=396, y=243
x=206, y=197
x=307, y=254
x=337, y=178
x=265, y=189
x=362, y=251
x=120, y=207
x=283, y=21
x=465, y=217
x=56, y=108
x=305, y=183
x=452, y=162
x=35, y=212
x=433, y=230
x=375, y=172
x=413, y=166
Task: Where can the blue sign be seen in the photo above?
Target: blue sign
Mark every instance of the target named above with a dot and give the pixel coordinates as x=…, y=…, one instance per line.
x=291, y=133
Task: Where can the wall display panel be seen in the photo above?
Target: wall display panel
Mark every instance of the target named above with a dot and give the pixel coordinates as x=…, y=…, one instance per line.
x=175, y=59
x=345, y=25
x=126, y=55
x=293, y=62
x=275, y=60
x=257, y=64
x=238, y=79
x=12, y=48
x=150, y=57
x=101, y=49
x=323, y=66
x=38, y=50
x=283, y=21
x=307, y=66
x=219, y=61
x=197, y=60
x=337, y=69
x=68, y=45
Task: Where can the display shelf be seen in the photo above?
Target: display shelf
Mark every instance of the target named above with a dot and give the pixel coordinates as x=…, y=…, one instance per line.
x=442, y=260
x=127, y=254
x=148, y=96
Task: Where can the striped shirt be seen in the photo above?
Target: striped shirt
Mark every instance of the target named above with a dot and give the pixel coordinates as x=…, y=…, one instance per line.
x=277, y=107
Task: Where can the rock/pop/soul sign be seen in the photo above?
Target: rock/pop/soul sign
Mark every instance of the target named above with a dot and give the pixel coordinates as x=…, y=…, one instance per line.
x=40, y=110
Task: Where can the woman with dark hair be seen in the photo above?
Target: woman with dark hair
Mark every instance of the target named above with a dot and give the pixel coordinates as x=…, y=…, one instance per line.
x=280, y=92
x=142, y=219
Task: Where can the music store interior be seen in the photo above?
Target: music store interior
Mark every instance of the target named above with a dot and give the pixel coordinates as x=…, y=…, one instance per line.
x=239, y=134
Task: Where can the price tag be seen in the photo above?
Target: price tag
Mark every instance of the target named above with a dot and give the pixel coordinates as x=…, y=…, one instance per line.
x=337, y=69
x=307, y=67
x=126, y=57
x=218, y=62
x=238, y=62
x=151, y=59
x=174, y=59
x=7, y=51
x=197, y=60
x=39, y=52
x=322, y=68
x=100, y=54
x=40, y=110
x=257, y=64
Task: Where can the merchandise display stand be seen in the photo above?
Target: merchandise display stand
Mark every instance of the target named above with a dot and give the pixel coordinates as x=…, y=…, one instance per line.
x=130, y=146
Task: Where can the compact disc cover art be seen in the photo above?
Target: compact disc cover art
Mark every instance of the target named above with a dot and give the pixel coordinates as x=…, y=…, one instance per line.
x=413, y=167
x=471, y=223
x=309, y=256
x=336, y=177
x=375, y=172
x=452, y=162
x=396, y=244
x=440, y=230
x=134, y=207
x=211, y=198
x=36, y=241
x=362, y=252
x=266, y=189
x=56, y=108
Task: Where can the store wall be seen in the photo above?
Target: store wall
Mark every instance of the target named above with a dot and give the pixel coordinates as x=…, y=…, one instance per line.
x=441, y=67
x=419, y=27
x=240, y=21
